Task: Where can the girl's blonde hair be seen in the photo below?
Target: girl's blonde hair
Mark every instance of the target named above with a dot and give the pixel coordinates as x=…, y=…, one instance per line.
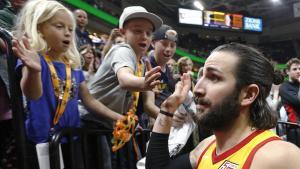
x=37, y=12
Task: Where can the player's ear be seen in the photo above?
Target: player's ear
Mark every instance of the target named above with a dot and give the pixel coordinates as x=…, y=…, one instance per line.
x=249, y=94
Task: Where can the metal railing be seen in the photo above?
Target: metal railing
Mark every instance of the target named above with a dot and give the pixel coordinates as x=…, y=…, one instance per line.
x=71, y=134
x=289, y=131
x=81, y=135
x=16, y=101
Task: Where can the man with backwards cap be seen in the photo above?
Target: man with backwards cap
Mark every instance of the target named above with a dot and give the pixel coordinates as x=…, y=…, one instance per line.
x=164, y=43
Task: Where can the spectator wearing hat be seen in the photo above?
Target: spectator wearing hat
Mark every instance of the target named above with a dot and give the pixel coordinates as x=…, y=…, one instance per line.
x=164, y=43
x=119, y=74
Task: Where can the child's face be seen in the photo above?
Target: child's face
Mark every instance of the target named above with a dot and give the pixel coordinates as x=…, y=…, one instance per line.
x=57, y=32
x=164, y=50
x=171, y=64
x=88, y=56
x=138, y=34
x=186, y=67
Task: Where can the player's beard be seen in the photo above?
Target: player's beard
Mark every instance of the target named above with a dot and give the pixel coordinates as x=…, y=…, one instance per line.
x=221, y=116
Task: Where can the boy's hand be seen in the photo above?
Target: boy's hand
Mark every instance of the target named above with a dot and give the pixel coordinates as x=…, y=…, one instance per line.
x=181, y=91
x=151, y=75
x=28, y=56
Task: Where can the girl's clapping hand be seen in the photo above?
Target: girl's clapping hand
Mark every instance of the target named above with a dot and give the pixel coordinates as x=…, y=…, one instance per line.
x=28, y=56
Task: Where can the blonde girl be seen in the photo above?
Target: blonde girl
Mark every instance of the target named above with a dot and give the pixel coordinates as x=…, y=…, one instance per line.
x=51, y=79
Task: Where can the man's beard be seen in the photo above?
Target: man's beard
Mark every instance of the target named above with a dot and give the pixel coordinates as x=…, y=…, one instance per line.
x=222, y=115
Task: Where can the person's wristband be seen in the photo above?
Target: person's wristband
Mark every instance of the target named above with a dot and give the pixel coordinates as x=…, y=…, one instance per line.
x=166, y=113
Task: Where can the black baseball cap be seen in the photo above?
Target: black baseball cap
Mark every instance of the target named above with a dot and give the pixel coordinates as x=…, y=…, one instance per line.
x=165, y=32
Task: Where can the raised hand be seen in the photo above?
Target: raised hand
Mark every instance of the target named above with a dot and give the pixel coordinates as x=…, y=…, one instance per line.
x=114, y=33
x=28, y=56
x=91, y=66
x=151, y=75
x=181, y=91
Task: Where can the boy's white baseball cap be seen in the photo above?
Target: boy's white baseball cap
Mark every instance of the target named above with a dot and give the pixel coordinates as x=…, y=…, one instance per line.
x=132, y=12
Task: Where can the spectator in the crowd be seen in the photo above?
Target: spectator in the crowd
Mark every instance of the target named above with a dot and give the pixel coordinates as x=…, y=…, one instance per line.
x=290, y=97
x=9, y=12
x=82, y=35
x=88, y=58
x=231, y=100
x=98, y=44
x=120, y=66
x=172, y=64
x=115, y=37
x=290, y=91
x=163, y=50
x=185, y=65
x=164, y=44
x=3, y=3
x=118, y=80
x=7, y=145
x=51, y=56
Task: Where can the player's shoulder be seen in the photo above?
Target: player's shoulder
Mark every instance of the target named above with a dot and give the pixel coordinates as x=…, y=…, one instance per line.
x=277, y=154
x=196, y=153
